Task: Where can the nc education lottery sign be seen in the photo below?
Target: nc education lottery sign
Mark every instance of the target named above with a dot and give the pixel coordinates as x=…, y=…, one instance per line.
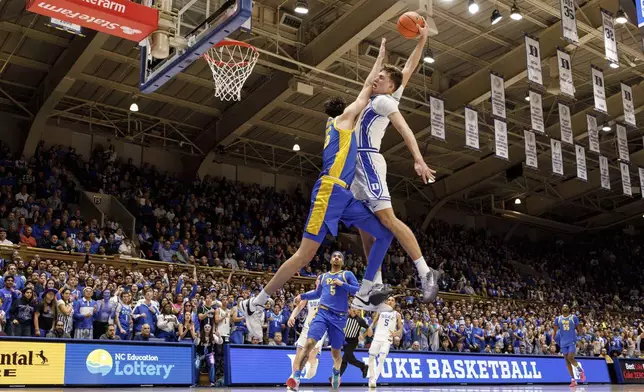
x=412, y=368
x=121, y=18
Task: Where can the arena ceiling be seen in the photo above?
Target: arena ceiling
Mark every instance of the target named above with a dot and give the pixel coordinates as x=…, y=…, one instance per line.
x=49, y=76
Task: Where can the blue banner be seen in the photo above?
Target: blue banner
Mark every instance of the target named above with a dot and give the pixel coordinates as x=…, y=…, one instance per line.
x=639, y=4
x=128, y=364
x=272, y=366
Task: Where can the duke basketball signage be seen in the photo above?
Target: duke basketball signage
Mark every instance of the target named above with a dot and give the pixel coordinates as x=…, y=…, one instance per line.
x=121, y=18
x=411, y=368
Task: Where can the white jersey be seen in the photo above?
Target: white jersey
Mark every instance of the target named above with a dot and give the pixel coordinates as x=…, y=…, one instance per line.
x=374, y=119
x=312, y=310
x=387, y=323
x=224, y=325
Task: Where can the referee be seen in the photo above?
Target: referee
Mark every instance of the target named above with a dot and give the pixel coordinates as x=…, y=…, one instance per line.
x=351, y=335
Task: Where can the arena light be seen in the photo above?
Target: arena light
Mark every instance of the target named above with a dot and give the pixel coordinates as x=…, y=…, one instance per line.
x=527, y=96
x=301, y=7
x=296, y=147
x=613, y=65
x=620, y=17
x=428, y=56
x=515, y=13
x=134, y=107
x=496, y=17
x=472, y=7
x=517, y=201
x=606, y=127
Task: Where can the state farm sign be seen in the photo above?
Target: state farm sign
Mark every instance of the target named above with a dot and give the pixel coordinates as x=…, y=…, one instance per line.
x=121, y=18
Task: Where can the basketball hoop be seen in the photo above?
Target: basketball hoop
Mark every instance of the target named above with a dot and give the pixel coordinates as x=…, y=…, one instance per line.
x=231, y=63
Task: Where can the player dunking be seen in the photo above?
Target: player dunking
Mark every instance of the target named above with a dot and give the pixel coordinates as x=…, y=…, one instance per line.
x=332, y=201
x=333, y=290
x=568, y=327
x=370, y=183
x=387, y=325
x=312, y=309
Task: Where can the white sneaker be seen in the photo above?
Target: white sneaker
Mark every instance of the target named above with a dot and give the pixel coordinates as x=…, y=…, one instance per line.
x=252, y=314
x=429, y=284
x=373, y=299
x=372, y=384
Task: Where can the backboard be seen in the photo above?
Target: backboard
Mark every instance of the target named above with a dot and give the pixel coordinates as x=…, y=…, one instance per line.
x=191, y=27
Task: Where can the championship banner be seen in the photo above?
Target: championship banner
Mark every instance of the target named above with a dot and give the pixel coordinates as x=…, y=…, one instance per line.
x=604, y=172
x=580, y=154
x=531, y=160
x=437, y=118
x=32, y=363
x=410, y=368
x=626, y=179
x=536, y=112
x=498, y=95
x=599, y=93
x=641, y=173
x=568, y=21
x=565, y=124
x=629, y=106
x=501, y=139
x=471, y=128
x=533, y=60
x=557, y=157
x=593, y=133
x=565, y=73
x=609, y=37
x=622, y=144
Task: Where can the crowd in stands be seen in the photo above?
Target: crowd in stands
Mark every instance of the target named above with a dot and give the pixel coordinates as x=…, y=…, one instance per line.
x=219, y=223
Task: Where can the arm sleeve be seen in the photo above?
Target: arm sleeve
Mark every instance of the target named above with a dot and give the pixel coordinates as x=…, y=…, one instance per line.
x=313, y=294
x=362, y=323
x=352, y=284
x=385, y=105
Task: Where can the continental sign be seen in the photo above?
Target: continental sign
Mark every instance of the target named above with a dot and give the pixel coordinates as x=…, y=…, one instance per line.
x=25, y=363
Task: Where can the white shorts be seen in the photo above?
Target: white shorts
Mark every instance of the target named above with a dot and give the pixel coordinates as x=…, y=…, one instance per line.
x=301, y=341
x=370, y=182
x=379, y=347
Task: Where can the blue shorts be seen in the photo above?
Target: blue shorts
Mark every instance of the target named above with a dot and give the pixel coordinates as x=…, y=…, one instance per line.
x=569, y=348
x=328, y=321
x=330, y=204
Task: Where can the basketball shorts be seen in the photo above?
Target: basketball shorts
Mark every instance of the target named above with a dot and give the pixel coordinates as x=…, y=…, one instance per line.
x=370, y=182
x=332, y=202
x=569, y=348
x=379, y=348
x=304, y=335
x=331, y=323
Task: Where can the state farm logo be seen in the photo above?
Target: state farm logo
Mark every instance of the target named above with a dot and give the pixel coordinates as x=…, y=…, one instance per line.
x=106, y=24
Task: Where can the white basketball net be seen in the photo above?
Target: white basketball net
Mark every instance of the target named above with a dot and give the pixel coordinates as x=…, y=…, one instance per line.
x=231, y=64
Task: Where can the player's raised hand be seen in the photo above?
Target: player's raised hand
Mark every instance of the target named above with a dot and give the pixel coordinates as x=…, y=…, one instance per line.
x=383, y=48
x=424, y=172
x=424, y=29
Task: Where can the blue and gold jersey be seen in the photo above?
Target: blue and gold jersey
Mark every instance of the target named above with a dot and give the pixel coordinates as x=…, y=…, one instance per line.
x=331, y=296
x=567, y=329
x=339, y=155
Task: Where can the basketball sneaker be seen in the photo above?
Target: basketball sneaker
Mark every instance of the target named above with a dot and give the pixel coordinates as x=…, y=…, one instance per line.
x=335, y=381
x=373, y=299
x=582, y=375
x=292, y=384
x=372, y=384
x=429, y=284
x=573, y=384
x=252, y=314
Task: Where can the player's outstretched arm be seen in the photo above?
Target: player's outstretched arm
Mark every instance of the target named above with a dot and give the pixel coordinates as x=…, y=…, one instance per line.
x=313, y=294
x=352, y=111
x=414, y=59
x=408, y=136
x=296, y=312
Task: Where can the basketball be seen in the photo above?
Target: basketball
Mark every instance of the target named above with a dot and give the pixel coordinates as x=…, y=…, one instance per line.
x=408, y=24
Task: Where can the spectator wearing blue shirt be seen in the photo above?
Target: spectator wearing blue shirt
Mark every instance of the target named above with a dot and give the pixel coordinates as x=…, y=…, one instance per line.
x=84, y=311
x=145, y=313
x=276, y=321
x=19, y=280
x=166, y=252
x=477, y=341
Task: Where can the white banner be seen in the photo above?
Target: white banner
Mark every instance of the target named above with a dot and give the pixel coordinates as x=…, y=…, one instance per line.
x=565, y=73
x=471, y=128
x=629, y=106
x=622, y=144
x=626, y=179
x=565, y=124
x=593, y=133
x=641, y=173
x=498, y=96
x=598, y=89
x=501, y=139
x=580, y=153
x=536, y=112
x=557, y=158
x=609, y=37
x=531, y=160
x=604, y=172
x=437, y=117
x=533, y=60
x=568, y=21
